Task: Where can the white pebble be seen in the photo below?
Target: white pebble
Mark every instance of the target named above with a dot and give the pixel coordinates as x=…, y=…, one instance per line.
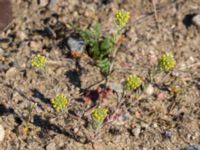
x=196, y=20
x=149, y=90
x=2, y=133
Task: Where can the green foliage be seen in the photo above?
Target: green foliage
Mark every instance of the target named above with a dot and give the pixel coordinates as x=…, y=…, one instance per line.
x=133, y=82
x=106, y=47
x=39, y=62
x=59, y=102
x=167, y=62
x=92, y=35
x=104, y=65
x=99, y=47
x=98, y=115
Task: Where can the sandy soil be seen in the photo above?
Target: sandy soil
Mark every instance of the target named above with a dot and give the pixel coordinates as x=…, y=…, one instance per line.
x=162, y=120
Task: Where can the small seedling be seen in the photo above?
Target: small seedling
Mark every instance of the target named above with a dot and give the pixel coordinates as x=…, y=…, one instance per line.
x=167, y=62
x=98, y=116
x=59, y=102
x=133, y=82
x=100, y=47
x=39, y=62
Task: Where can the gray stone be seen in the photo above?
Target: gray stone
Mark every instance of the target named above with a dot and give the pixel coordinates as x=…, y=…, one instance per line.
x=76, y=44
x=3, y=67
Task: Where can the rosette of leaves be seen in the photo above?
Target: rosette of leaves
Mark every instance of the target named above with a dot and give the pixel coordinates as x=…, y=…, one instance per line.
x=59, y=102
x=39, y=62
x=98, y=116
x=133, y=82
x=167, y=62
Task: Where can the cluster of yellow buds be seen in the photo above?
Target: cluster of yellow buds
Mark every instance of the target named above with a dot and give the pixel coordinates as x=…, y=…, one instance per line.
x=99, y=114
x=39, y=62
x=167, y=62
x=59, y=102
x=133, y=82
x=122, y=17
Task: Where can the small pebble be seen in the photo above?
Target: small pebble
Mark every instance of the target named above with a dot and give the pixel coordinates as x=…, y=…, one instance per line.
x=76, y=44
x=22, y=35
x=191, y=147
x=11, y=73
x=35, y=45
x=149, y=90
x=136, y=131
x=196, y=20
x=51, y=146
x=1, y=51
x=43, y=3
x=167, y=134
x=2, y=133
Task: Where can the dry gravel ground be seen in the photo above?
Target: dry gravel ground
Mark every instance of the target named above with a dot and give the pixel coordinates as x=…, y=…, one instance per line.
x=159, y=120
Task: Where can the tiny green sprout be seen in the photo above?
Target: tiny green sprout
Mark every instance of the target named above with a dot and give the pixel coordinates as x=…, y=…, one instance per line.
x=98, y=115
x=133, y=82
x=39, y=62
x=122, y=17
x=59, y=102
x=167, y=62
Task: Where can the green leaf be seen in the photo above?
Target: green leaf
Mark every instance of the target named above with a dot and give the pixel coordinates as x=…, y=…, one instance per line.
x=105, y=47
x=104, y=65
x=94, y=51
x=96, y=31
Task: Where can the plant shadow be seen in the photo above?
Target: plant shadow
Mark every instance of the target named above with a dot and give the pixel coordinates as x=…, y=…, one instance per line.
x=4, y=111
x=37, y=94
x=45, y=124
x=74, y=77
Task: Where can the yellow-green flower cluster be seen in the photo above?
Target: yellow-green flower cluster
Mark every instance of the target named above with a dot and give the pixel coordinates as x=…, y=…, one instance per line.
x=39, y=61
x=167, y=62
x=122, y=17
x=99, y=114
x=133, y=82
x=59, y=102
